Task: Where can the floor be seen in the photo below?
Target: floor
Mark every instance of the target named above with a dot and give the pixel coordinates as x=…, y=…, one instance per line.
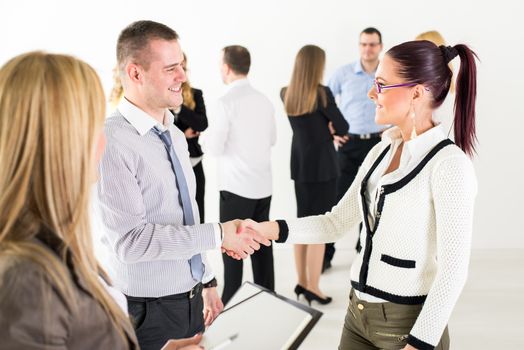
x=489, y=314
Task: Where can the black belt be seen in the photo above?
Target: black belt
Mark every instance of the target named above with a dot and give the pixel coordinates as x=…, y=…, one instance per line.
x=366, y=136
x=196, y=290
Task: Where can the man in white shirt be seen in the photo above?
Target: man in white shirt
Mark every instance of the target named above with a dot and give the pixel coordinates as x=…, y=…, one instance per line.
x=241, y=136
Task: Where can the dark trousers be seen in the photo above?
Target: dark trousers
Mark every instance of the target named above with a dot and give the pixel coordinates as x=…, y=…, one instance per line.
x=200, y=188
x=157, y=320
x=350, y=157
x=232, y=207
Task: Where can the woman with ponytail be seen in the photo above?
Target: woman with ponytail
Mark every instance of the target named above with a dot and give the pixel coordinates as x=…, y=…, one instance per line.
x=53, y=293
x=415, y=193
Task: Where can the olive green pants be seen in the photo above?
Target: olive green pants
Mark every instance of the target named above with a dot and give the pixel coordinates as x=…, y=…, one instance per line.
x=372, y=326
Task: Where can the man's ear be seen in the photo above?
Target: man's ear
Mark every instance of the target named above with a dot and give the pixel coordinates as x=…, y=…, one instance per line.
x=134, y=72
x=227, y=69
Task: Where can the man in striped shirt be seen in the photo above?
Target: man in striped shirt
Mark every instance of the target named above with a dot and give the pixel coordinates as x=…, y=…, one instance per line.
x=147, y=196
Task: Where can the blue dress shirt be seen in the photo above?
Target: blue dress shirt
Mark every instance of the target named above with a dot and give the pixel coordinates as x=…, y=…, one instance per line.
x=351, y=83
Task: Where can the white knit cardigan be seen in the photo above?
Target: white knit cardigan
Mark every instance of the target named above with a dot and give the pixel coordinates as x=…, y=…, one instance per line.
x=418, y=250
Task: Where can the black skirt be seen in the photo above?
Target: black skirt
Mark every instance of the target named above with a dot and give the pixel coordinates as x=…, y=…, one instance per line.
x=315, y=198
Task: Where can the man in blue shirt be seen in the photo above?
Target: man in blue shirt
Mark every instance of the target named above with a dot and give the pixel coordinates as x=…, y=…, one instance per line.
x=350, y=85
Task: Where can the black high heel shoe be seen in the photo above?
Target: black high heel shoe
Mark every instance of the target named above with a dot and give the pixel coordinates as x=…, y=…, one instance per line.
x=310, y=296
x=299, y=290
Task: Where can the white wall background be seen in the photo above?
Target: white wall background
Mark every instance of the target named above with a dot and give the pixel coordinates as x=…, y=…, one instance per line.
x=274, y=31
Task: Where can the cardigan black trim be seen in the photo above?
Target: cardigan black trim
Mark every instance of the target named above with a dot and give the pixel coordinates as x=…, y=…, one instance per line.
x=419, y=344
x=386, y=189
x=283, y=231
x=369, y=243
x=405, y=180
x=407, y=264
x=398, y=299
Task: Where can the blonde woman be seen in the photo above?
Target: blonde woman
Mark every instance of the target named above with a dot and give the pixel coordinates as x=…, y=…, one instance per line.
x=314, y=168
x=117, y=92
x=191, y=119
x=53, y=293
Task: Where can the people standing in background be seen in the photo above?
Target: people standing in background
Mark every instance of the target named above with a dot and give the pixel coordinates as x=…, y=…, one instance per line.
x=351, y=84
x=191, y=119
x=241, y=135
x=146, y=192
x=311, y=107
x=443, y=113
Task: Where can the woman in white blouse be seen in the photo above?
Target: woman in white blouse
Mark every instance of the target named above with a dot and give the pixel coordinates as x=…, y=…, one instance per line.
x=415, y=194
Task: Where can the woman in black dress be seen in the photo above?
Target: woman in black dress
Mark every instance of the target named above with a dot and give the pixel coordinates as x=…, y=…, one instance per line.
x=312, y=110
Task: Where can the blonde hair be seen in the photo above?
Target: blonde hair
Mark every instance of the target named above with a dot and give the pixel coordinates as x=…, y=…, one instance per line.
x=117, y=92
x=436, y=38
x=187, y=92
x=301, y=96
x=51, y=112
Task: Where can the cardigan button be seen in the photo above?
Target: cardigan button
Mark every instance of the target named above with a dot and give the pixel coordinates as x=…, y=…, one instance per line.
x=360, y=307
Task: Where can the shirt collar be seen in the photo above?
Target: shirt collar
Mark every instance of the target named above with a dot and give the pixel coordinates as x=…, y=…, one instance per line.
x=359, y=70
x=420, y=145
x=140, y=120
x=238, y=82
x=358, y=67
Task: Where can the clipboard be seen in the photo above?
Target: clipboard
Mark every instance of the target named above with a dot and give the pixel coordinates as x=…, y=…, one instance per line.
x=257, y=318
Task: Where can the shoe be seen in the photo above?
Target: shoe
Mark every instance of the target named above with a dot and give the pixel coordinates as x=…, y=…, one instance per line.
x=299, y=290
x=310, y=296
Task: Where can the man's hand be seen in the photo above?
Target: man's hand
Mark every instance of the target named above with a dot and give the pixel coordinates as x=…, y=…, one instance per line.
x=212, y=305
x=190, y=133
x=268, y=229
x=240, y=243
x=409, y=347
x=184, y=344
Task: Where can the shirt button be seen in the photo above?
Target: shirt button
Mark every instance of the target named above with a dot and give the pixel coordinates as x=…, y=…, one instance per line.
x=360, y=307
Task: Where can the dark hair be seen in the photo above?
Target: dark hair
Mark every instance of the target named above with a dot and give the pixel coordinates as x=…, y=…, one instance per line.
x=372, y=30
x=425, y=63
x=135, y=38
x=237, y=58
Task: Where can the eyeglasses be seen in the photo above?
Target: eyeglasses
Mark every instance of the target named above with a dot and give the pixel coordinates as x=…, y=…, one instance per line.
x=372, y=45
x=379, y=87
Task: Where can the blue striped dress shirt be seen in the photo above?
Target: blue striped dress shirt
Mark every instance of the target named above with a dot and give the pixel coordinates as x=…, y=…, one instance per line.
x=142, y=216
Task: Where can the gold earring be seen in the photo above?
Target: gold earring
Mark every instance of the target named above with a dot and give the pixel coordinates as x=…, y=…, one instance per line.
x=414, y=131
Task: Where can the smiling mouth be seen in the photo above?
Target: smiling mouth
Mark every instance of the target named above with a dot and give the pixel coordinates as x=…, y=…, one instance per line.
x=175, y=89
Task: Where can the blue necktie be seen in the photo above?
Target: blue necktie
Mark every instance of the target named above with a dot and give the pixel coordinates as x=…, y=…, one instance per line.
x=197, y=268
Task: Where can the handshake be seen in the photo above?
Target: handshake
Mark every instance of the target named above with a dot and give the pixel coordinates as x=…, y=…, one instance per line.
x=242, y=238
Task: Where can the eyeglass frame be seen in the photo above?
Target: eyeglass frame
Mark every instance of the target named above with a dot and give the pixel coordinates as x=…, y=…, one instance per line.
x=379, y=87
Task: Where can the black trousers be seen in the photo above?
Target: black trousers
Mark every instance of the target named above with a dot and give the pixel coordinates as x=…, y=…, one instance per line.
x=157, y=320
x=232, y=207
x=200, y=188
x=350, y=158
